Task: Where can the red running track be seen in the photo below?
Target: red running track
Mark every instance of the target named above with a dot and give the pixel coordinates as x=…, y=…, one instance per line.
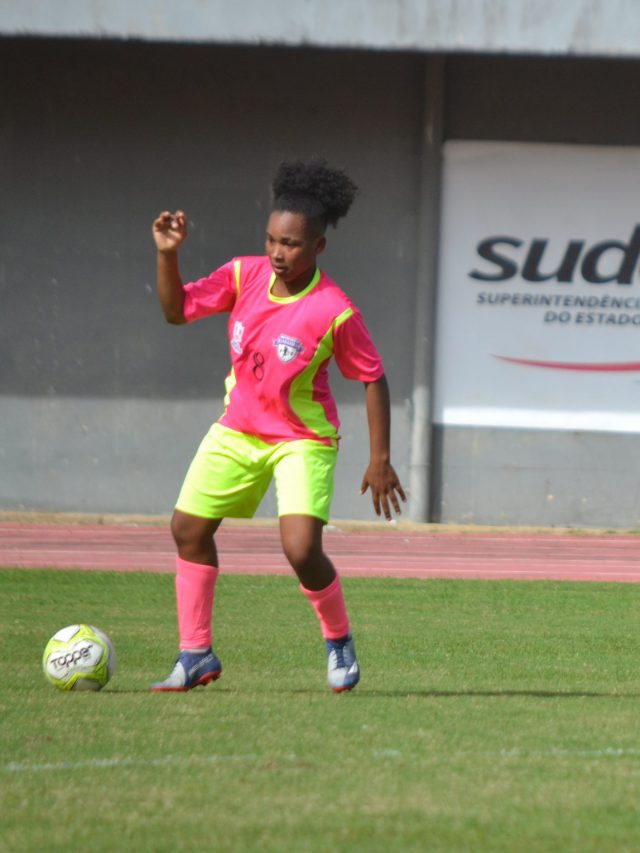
x=391, y=552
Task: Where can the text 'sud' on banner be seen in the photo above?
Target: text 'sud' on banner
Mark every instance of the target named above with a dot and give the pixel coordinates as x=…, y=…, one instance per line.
x=539, y=287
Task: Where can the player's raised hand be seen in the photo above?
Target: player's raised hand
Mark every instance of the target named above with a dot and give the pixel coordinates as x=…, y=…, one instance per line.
x=170, y=230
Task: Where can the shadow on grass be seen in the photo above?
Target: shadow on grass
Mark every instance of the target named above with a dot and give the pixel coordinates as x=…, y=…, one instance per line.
x=496, y=694
x=136, y=691
x=363, y=693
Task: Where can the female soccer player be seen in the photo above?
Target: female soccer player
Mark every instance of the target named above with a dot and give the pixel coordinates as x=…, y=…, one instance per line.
x=287, y=319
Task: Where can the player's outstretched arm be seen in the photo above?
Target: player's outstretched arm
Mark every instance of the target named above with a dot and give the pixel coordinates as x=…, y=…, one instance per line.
x=380, y=476
x=169, y=233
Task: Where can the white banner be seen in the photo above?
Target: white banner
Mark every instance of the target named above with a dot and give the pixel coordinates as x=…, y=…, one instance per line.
x=539, y=289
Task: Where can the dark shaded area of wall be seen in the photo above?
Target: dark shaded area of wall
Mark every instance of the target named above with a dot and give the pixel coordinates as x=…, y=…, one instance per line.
x=569, y=100
x=97, y=137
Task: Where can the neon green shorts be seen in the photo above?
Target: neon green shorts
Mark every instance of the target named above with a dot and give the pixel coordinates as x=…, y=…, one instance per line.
x=231, y=472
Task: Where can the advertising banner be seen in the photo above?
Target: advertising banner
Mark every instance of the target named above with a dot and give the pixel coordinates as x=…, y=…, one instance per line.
x=539, y=287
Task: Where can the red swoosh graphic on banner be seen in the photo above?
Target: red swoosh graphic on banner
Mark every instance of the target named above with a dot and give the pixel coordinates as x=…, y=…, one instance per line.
x=599, y=367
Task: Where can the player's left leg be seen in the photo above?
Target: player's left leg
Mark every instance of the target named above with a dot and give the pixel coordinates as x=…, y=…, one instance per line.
x=301, y=537
x=304, y=482
x=302, y=544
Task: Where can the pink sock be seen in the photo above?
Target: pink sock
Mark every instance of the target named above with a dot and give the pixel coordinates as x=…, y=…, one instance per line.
x=330, y=609
x=195, y=587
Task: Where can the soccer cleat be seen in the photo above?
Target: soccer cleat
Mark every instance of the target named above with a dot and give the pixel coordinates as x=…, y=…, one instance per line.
x=343, y=672
x=190, y=670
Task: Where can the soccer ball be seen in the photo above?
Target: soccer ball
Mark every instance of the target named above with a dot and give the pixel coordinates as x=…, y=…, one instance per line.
x=79, y=657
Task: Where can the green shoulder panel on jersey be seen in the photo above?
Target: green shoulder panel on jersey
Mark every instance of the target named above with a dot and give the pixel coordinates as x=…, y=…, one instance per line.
x=341, y=318
x=310, y=412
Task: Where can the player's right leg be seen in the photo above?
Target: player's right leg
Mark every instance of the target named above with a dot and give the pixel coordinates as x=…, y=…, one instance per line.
x=196, y=576
x=227, y=477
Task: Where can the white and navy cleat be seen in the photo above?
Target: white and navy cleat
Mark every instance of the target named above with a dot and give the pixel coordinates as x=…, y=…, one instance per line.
x=192, y=669
x=343, y=672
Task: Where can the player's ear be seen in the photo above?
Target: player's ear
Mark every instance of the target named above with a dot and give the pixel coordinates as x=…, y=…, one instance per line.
x=321, y=244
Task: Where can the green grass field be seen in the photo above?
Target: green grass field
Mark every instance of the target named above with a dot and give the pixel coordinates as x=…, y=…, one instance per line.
x=492, y=716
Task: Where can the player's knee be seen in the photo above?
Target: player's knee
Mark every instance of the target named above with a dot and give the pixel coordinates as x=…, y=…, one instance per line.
x=303, y=555
x=186, y=531
x=178, y=530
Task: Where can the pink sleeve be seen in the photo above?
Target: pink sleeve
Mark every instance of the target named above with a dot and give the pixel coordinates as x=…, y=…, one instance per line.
x=214, y=294
x=355, y=352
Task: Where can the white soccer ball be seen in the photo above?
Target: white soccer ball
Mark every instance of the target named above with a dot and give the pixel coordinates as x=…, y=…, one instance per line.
x=79, y=657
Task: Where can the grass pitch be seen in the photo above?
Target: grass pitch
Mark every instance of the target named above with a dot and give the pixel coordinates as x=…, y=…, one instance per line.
x=491, y=716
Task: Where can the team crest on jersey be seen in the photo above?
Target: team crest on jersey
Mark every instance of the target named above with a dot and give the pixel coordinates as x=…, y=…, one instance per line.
x=287, y=348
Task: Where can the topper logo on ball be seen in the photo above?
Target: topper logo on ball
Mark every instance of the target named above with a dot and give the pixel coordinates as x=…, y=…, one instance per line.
x=72, y=658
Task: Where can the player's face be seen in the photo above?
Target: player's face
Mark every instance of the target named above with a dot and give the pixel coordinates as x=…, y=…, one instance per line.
x=292, y=249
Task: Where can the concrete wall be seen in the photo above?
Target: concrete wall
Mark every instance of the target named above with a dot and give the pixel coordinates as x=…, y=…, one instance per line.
x=574, y=27
x=102, y=403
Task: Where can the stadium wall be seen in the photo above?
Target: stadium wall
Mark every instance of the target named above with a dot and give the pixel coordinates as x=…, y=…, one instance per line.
x=102, y=403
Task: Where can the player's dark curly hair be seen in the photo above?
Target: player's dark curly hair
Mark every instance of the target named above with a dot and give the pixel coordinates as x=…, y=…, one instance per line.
x=324, y=195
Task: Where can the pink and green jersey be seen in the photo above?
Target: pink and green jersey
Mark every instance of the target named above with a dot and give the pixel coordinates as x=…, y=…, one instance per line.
x=278, y=386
